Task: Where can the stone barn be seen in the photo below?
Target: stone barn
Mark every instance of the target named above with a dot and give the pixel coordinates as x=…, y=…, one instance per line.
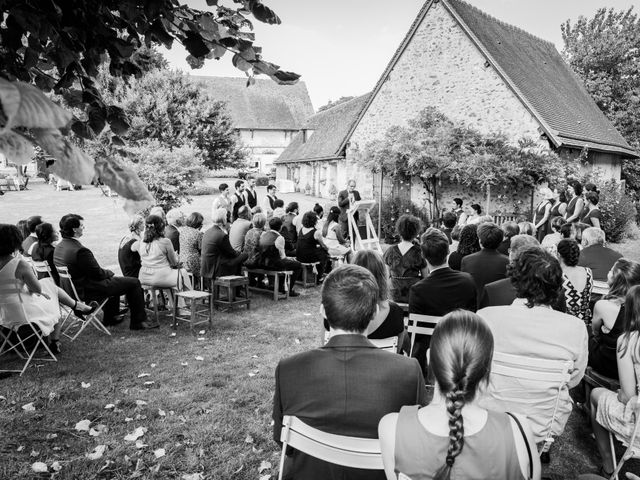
x=477, y=70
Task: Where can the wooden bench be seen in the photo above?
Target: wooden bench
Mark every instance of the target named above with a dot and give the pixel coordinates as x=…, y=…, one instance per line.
x=276, y=281
x=305, y=281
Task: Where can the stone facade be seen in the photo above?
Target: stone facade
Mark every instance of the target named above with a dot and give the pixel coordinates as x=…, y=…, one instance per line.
x=264, y=146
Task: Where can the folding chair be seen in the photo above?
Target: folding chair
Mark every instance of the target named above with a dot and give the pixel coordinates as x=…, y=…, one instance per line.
x=41, y=269
x=66, y=283
x=632, y=451
x=429, y=323
x=545, y=381
x=351, y=452
x=12, y=317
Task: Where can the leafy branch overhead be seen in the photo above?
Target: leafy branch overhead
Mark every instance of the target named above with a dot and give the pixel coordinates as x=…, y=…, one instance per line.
x=58, y=46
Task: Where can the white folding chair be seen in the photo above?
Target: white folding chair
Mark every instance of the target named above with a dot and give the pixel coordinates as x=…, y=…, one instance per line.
x=545, y=380
x=41, y=269
x=66, y=283
x=12, y=317
x=351, y=452
x=421, y=325
x=632, y=451
x=389, y=344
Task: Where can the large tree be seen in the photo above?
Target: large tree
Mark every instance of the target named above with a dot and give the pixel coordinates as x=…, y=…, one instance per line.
x=58, y=46
x=605, y=52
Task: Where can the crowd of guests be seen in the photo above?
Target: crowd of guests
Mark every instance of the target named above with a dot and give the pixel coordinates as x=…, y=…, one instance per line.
x=505, y=289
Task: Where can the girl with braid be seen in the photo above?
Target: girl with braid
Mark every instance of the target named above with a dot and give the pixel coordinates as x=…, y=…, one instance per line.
x=453, y=437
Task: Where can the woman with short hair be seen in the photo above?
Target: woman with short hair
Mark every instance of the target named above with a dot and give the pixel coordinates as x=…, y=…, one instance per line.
x=43, y=250
x=576, y=204
x=129, y=260
x=453, y=436
x=191, y=243
x=404, y=260
x=476, y=214
x=593, y=214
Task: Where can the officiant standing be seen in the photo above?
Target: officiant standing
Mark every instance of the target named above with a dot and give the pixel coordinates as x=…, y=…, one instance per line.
x=346, y=199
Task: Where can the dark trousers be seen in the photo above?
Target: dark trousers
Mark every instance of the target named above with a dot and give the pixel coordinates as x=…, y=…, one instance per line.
x=113, y=288
x=288, y=264
x=420, y=348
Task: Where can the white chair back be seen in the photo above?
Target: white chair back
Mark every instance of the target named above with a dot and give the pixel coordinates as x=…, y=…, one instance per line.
x=351, y=452
x=66, y=283
x=41, y=269
x=421, y=325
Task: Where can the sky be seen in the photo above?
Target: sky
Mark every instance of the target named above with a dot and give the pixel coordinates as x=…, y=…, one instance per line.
x=341, y=47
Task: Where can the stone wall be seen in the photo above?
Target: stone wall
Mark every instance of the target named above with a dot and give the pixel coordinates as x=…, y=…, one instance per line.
x=264, y=146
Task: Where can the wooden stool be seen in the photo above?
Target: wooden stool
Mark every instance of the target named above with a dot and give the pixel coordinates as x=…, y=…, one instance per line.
x=230, y=282
x=196, y=306
x=306, y=282
x=153, y=291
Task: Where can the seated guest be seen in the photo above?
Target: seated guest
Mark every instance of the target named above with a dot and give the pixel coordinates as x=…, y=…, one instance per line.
x=191, y=243
x=527, y=228
x=487, y=265
x=95, y=283
x=449, y=221
x=405, y=261
x=567, y=231
x=503, y=292
x=334, y=237
x=252, y=239
x=39, y=298
x=174, y=220
x=128, y=259
x=347, y=386
x=595, y=255
x=578, y=230
x=289, y=222
x=531, y=328
x=319, y=211
x=509, y=230
x=42, y=250
x=28, y=242
x=615, y=411
x=311, y=247
x=218, y=258
x=467, y=245
x=443, y=290
x=239, y=228
x=273, y=256
x=455, y=238
x=551, y=240
x=608, y=317
x=593, y=215
x=389, y=321
x=160, y=263
x=23, y=228
x=577, y=282
x=454, y=434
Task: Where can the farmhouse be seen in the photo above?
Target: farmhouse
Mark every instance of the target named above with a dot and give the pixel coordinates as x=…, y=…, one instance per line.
x=265, y=115
x=475, y=69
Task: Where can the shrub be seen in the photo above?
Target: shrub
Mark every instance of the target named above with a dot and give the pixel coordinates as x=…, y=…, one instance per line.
x=392, y=209
x=618, y=211
x=262, y=181
x=199, y=190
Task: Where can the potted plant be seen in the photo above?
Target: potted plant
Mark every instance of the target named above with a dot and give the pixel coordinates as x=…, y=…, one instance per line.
x=307, y=189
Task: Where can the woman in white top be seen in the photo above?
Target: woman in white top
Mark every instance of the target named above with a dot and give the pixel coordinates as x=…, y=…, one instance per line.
x=476, y=214
x=333, y=236
x=160, y=263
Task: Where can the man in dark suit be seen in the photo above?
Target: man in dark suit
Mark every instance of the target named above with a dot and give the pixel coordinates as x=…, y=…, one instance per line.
x=346, y=198
x=218, y=258
x=449, y=220
x=442, y=291
x=487, y=265
x=348, y=385
x=93, y=282
x=595, y=255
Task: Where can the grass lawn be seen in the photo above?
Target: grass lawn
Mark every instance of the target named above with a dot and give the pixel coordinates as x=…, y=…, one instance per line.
x=209, y=403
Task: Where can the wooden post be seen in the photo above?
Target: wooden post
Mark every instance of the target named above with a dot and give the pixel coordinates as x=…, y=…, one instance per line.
x=488, y=199
x=380, y=205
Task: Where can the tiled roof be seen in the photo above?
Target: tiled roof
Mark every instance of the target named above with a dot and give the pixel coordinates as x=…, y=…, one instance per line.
x=264, y=105
x=326, y=133
x=544, y=82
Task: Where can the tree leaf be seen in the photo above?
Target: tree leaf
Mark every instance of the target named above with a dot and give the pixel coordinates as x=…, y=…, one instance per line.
x=240, y=63
x=71, y=163
x=264, y=14
x=118, y=120
x=26, y=106
x=285, y=78
x=122, y=180
x=16, y=148
x=97, y=118
x=194, y=62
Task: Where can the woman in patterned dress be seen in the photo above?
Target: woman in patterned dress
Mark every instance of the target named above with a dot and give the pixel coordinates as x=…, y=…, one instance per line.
x=576, y=281
x=191, y=243
x=615, y=411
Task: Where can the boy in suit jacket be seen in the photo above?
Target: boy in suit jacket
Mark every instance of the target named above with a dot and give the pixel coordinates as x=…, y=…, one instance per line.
x=348, y=385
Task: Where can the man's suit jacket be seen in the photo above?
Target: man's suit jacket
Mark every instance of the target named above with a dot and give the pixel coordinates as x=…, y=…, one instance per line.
x=344, y=388
x=485, y=266
x=504, y=246
x=83, y=267
x=502, y=292
x=443, y=291
x=173, y=234
x=216, y=252
x=599, y=259
x=344, y=204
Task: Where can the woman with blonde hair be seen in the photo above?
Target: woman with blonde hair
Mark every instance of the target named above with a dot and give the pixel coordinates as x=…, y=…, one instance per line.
x=128, y=259
x=453, y=437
